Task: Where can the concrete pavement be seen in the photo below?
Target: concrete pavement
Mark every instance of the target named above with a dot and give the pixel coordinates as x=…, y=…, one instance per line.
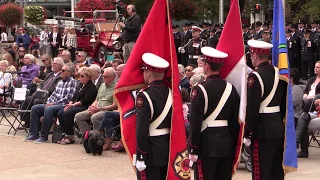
x=21, y=160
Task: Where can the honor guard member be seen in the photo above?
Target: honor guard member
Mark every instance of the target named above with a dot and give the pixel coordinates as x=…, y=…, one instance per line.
x=301, y=29
x=213, y=39
x=266, y=108
x=185, y=40
x=245, y=33
x=194, y=47
x=258, y=33
x=205, y=33
x=153, y=107
x=177, y=40
x=292, y=49
x=214, y=123
x=307, y=60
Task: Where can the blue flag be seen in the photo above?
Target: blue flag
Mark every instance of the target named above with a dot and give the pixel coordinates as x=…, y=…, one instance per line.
x=280, y=60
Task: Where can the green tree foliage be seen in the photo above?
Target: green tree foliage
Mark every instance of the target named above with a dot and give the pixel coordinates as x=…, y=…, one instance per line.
x=34, y=14
x=10, y=14
x=306, y=10
x=143, y=7
x=183, y=9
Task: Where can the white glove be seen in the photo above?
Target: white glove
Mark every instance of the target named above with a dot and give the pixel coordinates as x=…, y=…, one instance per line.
x=140, y=165
x=193, y=158
x=247, y=142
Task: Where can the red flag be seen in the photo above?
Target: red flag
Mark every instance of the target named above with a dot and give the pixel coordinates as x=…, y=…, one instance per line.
x=234, y=69
x=156, y=37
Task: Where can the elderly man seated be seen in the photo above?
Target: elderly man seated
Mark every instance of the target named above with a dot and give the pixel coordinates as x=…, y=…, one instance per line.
x=104, y=102
x=59, y=98
x=48, y=84
x=81, y=58
x=97, y=78
x=184, y=81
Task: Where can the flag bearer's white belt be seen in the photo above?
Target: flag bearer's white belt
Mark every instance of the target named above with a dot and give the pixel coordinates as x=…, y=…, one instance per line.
x=273, y=109
x=194, y=57
x=214, y=123
x=153, y=131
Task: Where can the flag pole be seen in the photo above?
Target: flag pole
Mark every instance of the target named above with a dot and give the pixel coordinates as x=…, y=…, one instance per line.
x=220, y=11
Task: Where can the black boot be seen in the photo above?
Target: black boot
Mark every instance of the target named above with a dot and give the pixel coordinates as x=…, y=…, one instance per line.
x=304, y=153
x=302, y=126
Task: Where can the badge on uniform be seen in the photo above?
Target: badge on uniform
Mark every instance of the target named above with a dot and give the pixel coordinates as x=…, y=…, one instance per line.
x=309, y=44
x=139, y=102
x=250, y=82
x=194, y=94
x=196, y=45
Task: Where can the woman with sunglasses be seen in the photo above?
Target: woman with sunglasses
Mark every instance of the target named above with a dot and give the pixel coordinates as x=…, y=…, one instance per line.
x=20, y=58
x=84, y=96
x=46, y=68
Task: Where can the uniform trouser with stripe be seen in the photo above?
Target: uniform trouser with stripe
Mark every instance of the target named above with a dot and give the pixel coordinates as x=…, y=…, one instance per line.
x=266, y=158
x=219, y=168
x=153, y=173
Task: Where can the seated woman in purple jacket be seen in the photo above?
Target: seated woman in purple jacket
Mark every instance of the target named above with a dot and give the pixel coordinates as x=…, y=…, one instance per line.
x=29, y=71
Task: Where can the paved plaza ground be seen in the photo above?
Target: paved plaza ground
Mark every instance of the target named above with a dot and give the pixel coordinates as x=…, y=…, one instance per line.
x=21, y=160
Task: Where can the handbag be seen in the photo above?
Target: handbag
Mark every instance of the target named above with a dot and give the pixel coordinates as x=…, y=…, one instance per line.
x=57, y=134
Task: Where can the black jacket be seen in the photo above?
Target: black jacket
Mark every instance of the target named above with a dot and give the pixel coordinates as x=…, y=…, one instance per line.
x=132, y=29
x=185, y=83
x=263, y=126
x=58, y=40
x=86, y=95
x=154, y=150
x=213, y=141
x=54, y=83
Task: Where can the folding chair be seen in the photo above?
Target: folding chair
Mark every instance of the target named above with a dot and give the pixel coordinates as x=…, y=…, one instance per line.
x=39, y=94
x=19, y=94
x=313, y=128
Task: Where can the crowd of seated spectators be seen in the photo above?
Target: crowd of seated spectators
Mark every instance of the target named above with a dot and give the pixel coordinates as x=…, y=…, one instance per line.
x=80, y=94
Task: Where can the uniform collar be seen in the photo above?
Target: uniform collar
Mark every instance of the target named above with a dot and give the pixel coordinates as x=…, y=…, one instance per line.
x=156, y=83
x=214, y=76
x=264, y=64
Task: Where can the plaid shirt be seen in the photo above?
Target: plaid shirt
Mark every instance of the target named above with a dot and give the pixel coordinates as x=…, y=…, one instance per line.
x=63, y=92
x=72, y=40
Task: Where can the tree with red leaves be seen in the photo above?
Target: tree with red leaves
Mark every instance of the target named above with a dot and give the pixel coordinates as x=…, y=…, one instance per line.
x=10, y=14
x=88, y=5
x=183, y=9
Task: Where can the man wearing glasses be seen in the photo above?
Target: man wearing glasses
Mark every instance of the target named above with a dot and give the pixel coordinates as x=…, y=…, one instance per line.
x=81, y=58
x=61, y=96
x=104, y=102
x=189, y=70
x=48, y=84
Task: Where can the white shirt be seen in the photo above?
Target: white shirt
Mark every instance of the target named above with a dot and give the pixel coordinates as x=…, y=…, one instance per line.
x=54, y=37
x=4, y=37
x=44, y=37
x=5, y=79
x=96, y=81
x=312, y=91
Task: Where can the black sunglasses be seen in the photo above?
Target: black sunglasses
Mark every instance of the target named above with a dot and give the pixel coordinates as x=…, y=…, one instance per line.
x=63, y=70
x=82, y=76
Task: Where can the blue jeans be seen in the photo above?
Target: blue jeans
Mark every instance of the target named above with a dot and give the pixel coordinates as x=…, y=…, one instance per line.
x=109, y=120
x=39, y=110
